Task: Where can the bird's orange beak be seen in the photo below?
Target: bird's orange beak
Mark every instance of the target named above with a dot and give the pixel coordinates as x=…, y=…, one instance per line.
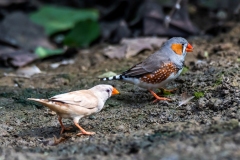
x=114, y=91
x=189, y=48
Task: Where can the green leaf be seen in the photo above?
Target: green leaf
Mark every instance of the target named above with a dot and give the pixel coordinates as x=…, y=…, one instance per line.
x=55, y=19
x=44, y=52
x=83, y=34
x=198, y=94
x=185, y=70
x=166, y=92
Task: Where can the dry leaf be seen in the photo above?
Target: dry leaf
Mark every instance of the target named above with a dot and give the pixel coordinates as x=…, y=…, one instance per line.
x=131, y=47
x=15, y=58
x=28, y=71
x=14, y=32
x=135, y=46
x=25, y=72
x=115, y=51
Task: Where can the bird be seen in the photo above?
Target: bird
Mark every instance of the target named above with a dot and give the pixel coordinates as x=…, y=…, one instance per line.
x=77, y=104
x=160, y=68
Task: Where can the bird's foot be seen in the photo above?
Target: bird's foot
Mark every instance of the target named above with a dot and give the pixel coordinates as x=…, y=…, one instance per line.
x=161, y=99
x=58, y=140
x=83, y=132
x=86, y=133
x=65, y=128
x=158, y=98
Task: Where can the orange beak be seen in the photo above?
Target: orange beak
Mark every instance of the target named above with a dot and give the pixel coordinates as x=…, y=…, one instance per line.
x=189, y=48
x=114, y=91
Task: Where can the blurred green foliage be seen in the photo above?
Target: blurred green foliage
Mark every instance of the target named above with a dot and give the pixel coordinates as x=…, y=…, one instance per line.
x=82, y=24
x=44, y=52
x=83, y=33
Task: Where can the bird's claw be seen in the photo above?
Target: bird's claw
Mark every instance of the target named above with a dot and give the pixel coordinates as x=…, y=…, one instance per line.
x=65, y=128
x=86, y=133
x=161, y=99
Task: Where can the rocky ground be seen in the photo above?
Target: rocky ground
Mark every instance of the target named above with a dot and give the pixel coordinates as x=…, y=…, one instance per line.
x=130, y=126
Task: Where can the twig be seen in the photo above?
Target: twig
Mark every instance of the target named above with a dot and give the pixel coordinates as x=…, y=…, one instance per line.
x=168, y=18
x=236, y=11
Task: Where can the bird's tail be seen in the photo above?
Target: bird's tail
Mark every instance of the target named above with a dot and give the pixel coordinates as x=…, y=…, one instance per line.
x=50, y=104
x=37, y=100
x=117, y=77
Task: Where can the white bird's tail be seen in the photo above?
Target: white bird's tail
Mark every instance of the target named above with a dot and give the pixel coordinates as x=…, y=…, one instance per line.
x=37, y=100
x=48, y=103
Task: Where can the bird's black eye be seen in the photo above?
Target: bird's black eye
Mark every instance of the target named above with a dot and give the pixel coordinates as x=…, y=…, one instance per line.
x=108, y=90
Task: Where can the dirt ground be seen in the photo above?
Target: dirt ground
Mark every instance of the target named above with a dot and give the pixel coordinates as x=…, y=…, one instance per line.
x=130, y=126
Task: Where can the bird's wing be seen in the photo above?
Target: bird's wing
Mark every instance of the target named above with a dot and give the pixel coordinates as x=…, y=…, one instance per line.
x=83, y=98
x=151, y=64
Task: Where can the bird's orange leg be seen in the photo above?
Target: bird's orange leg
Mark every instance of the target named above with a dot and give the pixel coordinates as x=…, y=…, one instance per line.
x=82, y=130
x=158, y=98
x=62, y=126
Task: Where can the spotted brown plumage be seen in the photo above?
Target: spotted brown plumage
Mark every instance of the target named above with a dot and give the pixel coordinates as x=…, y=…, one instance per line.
x=158, y=69
x=160, y=75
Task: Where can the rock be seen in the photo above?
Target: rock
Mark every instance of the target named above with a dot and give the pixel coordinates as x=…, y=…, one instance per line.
x=202, y=102
x=121, y=127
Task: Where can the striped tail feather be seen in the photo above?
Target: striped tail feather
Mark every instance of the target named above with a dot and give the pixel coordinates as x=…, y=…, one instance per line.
x=117, y=77
x=124, y=78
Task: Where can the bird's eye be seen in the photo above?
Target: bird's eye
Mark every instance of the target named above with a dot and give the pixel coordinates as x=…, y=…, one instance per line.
x=108, y=90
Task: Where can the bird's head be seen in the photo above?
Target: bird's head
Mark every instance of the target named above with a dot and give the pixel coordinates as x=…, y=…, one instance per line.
x=104, y=91
x=179, y=46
